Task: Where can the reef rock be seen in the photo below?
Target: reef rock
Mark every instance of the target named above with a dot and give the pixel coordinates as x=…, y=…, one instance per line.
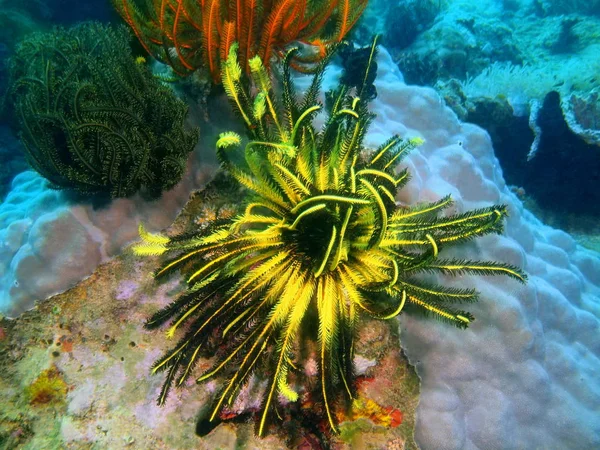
x=48, y=243
x=524, y=374
x=582, y=114
x=75, y=372
x=50, y=240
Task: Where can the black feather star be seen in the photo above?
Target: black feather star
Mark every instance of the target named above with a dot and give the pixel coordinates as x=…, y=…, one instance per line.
x=94, y=121
x=321, y=236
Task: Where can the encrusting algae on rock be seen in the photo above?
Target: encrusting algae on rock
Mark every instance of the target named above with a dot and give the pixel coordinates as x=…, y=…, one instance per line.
x=48, y=388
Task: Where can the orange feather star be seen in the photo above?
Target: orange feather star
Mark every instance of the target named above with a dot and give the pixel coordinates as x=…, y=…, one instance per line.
x=189, y=34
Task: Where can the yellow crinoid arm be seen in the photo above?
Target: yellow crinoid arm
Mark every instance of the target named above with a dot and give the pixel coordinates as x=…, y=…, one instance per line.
x=231, y=75
x=228, y=139
x=152, y=244
x=328, y=293
x=291, y=308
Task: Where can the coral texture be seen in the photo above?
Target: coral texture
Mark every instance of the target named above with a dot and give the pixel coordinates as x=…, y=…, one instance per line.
x=75, y=373
x=524, y=374
x=35, y=265
x=320, y=244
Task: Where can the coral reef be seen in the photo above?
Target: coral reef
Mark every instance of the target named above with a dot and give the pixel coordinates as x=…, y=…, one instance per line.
x=48, y=242
x=188, y=34
x=543, y=154
x=582, y=115
x=406, y=19
x=419, y=69
x=506, y=98
x=531, y=381
x=48, y=387
x=355, y=62
x=560, y=7
x=439, y=40
x=320, y=244
x=467, y=39
x=523, y=376
x=553, y=173
x=94, y=121
x=567, y=39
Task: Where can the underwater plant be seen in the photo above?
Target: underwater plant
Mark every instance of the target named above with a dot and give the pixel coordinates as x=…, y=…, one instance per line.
x=319, y=243
x=93, y=120
x=188, y=34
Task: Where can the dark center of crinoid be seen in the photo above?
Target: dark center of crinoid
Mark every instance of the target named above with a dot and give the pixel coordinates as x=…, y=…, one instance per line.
x=311, y=236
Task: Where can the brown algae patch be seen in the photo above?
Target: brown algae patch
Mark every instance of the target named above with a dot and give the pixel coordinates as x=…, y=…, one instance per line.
x=49, y=388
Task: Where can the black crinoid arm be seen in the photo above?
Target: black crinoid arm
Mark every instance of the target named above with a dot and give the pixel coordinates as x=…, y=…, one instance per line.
x=93, y=120
x=320, y=241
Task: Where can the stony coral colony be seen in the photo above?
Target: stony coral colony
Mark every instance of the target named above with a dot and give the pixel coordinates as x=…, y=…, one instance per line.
x=319, y=244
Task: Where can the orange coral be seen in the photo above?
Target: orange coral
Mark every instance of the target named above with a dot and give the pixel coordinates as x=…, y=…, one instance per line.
x=187, y=34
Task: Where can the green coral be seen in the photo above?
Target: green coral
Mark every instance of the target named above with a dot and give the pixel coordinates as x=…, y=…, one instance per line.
x=319, y=244
x=93, y=120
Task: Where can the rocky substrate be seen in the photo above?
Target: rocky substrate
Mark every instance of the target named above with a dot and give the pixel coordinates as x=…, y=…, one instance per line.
x=75, y=373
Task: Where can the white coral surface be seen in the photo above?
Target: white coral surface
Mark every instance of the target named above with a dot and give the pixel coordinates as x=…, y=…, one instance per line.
x=524, y=375
x=48, y=243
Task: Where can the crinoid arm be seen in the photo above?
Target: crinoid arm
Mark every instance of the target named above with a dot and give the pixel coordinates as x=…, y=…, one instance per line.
x=192, y=34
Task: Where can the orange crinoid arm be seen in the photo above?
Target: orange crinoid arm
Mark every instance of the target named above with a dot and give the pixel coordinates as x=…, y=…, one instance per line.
x=189, y=34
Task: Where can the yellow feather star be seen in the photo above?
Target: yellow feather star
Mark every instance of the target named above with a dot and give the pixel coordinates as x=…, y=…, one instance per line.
x=320, y=232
